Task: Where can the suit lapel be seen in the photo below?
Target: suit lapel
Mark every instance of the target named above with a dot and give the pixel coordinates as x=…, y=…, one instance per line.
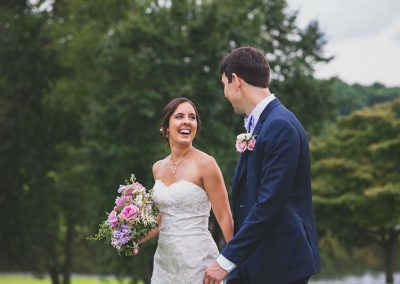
x=274, y=103
x=241, y=167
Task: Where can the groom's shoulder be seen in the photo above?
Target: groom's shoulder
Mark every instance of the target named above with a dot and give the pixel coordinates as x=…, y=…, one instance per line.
x=278, y=123
x=281, y=115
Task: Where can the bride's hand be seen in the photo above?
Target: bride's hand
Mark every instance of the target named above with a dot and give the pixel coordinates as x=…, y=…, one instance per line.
x=214, y=274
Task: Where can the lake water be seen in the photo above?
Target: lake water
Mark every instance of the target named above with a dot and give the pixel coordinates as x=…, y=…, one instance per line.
x=364, y=279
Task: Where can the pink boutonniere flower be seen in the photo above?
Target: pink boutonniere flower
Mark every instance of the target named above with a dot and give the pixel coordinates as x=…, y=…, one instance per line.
x=245, y=141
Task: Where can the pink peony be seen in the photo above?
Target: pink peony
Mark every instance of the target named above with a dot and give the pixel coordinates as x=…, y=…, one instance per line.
x=120, y=201
x=112, y=219
x=135, y=251
x=130, y=212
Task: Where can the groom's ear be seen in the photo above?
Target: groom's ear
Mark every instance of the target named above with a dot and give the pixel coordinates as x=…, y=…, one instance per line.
x=236, y=80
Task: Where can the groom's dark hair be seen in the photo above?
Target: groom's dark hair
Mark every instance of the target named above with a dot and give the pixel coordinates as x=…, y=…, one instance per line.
x=249, y=64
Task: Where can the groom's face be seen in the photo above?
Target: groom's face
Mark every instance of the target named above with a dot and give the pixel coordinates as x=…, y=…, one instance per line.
x=232, y=93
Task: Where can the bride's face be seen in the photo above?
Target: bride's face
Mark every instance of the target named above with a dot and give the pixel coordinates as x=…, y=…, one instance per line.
x=182, y=124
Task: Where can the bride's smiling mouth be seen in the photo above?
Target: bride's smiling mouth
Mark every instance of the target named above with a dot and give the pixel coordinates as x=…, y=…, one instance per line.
x=185, y=131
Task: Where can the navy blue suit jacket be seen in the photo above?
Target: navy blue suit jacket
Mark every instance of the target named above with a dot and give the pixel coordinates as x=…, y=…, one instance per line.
x=275, y=239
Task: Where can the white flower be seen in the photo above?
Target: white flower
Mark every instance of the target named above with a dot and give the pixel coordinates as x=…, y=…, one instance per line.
x=138, y=200
x=243, y=136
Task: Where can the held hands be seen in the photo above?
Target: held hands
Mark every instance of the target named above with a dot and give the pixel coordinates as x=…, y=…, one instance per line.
x=214, y=274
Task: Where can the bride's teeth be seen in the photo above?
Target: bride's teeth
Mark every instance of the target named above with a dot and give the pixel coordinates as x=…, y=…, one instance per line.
x=185, y=131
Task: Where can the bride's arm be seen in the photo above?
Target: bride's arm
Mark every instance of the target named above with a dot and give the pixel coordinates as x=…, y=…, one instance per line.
x=154, y=232
x=214, y=185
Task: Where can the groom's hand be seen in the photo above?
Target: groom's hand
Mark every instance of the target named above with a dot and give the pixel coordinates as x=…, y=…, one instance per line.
x=214, y=274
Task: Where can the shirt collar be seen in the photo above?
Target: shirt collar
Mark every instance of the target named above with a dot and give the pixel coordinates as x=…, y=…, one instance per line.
x=256, y=112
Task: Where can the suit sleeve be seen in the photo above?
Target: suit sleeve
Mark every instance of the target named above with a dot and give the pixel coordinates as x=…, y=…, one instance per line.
x=281, y=148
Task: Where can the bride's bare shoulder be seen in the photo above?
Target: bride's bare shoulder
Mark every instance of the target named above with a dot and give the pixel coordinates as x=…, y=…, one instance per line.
x=158, y=165
x=209, y=170
x=205, y=159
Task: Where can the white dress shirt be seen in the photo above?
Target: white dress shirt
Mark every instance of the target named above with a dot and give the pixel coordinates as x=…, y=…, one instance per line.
x=250, y=123
x=256, y=112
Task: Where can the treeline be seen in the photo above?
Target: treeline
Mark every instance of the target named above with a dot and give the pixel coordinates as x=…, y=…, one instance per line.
x=82, y=86
x=354, y=97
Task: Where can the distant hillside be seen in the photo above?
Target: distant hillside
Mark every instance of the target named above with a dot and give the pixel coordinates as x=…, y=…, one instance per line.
x=356, y=96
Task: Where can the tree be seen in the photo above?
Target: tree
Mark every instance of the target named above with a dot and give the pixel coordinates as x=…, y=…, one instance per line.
x=356, y=178
x=85, y=83
x=27, y=203
x=36, y=130
x=76, y=29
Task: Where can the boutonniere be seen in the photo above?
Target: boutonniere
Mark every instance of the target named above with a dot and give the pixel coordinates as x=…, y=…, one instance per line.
x=245, y=141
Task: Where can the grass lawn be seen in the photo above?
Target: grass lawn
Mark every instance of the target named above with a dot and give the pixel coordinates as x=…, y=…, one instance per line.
x=29, y=279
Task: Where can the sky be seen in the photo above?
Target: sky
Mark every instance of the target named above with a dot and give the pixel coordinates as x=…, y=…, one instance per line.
x=362, y=35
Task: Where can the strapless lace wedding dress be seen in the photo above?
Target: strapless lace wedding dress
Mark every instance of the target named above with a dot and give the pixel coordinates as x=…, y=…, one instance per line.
x=185, y=245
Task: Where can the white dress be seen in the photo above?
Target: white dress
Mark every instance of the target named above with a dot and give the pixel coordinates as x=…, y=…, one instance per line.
x=185, y=245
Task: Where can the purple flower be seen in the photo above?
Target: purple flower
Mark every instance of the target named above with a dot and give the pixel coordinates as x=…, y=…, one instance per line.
x=121, y=236
x=112, y=219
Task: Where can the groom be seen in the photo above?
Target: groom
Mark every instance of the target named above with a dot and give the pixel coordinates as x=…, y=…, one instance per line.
x=275, y=239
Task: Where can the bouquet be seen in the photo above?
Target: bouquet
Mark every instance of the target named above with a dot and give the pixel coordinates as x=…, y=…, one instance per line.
x=132, y=217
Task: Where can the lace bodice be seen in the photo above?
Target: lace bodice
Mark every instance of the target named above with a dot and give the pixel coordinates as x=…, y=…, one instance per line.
x=184, y=206
x=185, y=246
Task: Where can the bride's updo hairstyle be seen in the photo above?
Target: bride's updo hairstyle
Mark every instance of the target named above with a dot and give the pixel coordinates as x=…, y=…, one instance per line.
x=169, y=109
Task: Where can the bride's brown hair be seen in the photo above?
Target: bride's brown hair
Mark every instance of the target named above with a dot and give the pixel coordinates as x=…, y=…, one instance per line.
x=169, y=109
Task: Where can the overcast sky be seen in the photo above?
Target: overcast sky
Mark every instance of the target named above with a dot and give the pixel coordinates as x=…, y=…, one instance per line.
x=363, y=35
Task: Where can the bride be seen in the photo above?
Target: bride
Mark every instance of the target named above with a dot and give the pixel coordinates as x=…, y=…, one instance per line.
x=188, y=183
